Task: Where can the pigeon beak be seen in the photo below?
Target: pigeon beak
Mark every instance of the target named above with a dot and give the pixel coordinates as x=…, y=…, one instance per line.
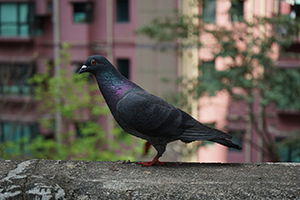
x=82, y=69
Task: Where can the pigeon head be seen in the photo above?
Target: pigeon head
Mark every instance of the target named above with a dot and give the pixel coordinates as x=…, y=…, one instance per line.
x=93, y=63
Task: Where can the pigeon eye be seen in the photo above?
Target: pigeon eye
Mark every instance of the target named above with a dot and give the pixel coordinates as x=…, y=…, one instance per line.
x=93, y=62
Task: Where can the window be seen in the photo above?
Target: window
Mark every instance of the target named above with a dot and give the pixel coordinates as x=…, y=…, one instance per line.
x=14, y=77
x=289, y=78
x=78, y=129
x=124, y=67
x=288, y=149
x=17, y=19
x=49, y=6
x=209, y=11
x=207, y=65
x=83, y=130
x=83, y=12
x=237, y=138
x=295, y=10
x=19, y=133
x=122, y=11
x=237, y=10
x=208, y=78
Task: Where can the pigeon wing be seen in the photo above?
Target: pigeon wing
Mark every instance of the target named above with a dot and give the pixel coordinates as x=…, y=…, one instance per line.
x=148, y=114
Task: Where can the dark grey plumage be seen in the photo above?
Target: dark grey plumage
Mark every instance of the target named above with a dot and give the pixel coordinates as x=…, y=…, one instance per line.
x=145, y=115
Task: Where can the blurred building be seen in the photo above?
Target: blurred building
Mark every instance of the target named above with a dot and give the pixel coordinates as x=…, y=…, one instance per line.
x=107, y=27
x=232, y=116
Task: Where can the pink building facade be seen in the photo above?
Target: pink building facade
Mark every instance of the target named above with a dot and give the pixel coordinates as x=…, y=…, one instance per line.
x=231, y=116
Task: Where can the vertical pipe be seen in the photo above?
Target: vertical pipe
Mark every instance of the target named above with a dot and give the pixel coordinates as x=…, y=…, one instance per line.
x=190, y=70
x=248, y=136
x=261, y=110
x=248, y=145
x=109, y=29
x=56, y=52
x=109, y=41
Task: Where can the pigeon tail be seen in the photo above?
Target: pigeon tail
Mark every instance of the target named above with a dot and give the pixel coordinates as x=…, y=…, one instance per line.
x=202, y=132
x=207, y=133
x=228, y=143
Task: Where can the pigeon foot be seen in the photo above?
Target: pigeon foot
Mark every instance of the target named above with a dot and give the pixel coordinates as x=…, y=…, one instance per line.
x=154, y=161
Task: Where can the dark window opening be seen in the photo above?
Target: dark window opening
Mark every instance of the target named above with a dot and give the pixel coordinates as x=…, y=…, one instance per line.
x=288, y=149
x=122, y=11
x=237, y=138
x=82, y=130
x=83, y=12
x=124, y=67
x=209, y=11
x=207, y=66
x=78, y=129
x=14, y=79
x=49, y=6
x=208, y=78
x=295, y=10
x=21, y=134
x=237, y=10
x=17, y=19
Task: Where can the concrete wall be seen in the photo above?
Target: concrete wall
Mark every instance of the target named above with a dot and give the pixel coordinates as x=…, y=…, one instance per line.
x=44, y=179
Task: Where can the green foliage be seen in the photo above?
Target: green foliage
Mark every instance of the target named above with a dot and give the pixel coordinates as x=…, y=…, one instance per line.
x=240, y=73
x=74, y=97
x=274, y=84
x=252, y=68
x=91, y=147
x=284, y=89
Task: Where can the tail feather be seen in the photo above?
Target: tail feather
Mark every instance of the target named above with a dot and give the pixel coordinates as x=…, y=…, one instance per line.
x=193, y=130
x=203, y=133
x=228, y=143
x=207, y=133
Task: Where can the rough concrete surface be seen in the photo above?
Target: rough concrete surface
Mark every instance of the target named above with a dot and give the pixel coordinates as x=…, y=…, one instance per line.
x=48, y=179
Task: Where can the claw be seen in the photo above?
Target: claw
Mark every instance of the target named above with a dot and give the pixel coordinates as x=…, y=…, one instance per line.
x=154, y=161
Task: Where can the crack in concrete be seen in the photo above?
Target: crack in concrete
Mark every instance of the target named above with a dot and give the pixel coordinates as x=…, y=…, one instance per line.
x=19, y=169
x=23, y=187
x=15, y=174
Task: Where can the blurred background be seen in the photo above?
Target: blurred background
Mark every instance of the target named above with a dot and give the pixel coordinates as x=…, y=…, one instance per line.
x=231, y=64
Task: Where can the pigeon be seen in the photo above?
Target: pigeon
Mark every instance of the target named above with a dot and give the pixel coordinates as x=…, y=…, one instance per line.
x=145, y=115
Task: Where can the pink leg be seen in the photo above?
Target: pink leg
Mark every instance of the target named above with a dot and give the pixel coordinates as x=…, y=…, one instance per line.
x=155, y=160
x=147, y=147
